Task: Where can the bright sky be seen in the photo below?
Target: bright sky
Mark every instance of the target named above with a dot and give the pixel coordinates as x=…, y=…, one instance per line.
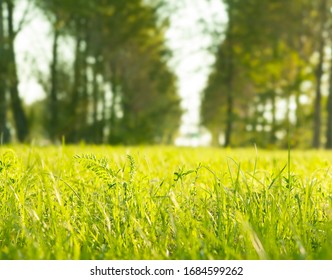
x=186, y=37
x=192, y=60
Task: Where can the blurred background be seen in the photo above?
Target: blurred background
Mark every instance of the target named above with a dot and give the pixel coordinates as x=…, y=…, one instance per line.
x=185, y=72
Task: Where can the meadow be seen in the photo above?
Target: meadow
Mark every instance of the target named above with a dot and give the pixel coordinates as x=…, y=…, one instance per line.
x=90, y=202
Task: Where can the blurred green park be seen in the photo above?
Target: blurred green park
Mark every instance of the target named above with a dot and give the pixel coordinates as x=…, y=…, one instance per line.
x=109, y=75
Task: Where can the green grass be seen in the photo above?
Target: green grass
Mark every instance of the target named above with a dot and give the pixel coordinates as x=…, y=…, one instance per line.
x=76, y=202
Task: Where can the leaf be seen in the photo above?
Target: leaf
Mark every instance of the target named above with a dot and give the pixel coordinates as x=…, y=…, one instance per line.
x=99, y=167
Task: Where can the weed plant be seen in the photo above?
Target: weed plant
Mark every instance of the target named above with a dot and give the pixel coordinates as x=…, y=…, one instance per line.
x=76, y=202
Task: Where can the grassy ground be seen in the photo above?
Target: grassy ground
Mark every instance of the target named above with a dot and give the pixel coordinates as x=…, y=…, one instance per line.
x=164, y=203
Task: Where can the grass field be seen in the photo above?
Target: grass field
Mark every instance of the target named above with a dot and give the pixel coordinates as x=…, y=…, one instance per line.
x=85, y=202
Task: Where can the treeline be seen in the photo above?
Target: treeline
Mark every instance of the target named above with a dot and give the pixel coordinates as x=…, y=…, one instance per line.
x=119, y=89
x=271, y=83
x=272, y=79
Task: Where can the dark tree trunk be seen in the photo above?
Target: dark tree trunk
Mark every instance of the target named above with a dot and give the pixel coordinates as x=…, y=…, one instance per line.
x=274, y=118
x=84, y=134
x=113, y=130
x=53, y=102
x=254, y=122
x=229, y=86
x=229, y=116
x=4, y=132
x=319, y=74
x=114, y=134
x=21, y=122
x=329, y=114
x=298, y=112
x=3, y=105
x=74, y=106
x=95, y=99
x=103, y=121
x=318, y=98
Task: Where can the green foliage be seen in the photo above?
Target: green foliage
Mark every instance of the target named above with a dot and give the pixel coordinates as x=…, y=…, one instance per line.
x=120, y=89
x=264, y=59
x=132, y=170
x=220, y=204
x=99, y=167
x=8, y=162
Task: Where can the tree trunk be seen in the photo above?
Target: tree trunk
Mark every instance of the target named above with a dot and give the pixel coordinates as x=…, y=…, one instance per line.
x=255, y=134
x=274, y=118
x=53, y=102
x=21, y=122
x=215, y=133
x=114, y=135
x=95, y=98
x=318, y=97
x=229, y=116
x=319, y=74
x=229, y=86
x=103, y=127
x=298, y=112
x=329, y=113
x=84, y=134
x=75, y=96
x=4, y=131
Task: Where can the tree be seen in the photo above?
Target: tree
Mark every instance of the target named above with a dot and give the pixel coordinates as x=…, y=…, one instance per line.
x=319, y=73
x=119, y=88
x=328, y=144
x=4, y=136
x=21, y=122
x=8, y=73
x=271, y=48
x=329, y=113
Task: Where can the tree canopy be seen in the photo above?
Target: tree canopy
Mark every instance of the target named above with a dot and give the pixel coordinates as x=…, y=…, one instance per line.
x=119, y=89
x=270, y=84
x=266, y=84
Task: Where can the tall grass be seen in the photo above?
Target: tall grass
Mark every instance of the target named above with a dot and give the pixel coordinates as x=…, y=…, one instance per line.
x=164, y=203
